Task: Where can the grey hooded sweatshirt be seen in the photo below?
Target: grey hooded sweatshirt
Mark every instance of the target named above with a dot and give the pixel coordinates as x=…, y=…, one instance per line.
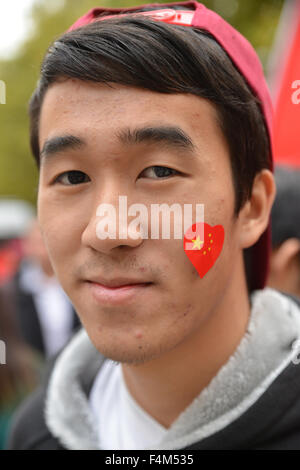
x=253, y=402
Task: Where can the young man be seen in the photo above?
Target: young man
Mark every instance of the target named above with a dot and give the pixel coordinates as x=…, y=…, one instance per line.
x=180, y=349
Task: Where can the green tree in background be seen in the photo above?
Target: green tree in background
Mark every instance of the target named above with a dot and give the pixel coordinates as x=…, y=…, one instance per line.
x=256, y=19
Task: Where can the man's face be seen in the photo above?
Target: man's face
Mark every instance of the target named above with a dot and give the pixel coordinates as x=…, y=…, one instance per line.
x=111, y=160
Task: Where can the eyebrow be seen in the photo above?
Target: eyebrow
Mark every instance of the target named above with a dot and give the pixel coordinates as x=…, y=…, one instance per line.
x=173, y=137
x=58, y=144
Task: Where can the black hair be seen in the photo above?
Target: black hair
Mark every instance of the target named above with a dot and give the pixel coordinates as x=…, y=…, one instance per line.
x=152, y=55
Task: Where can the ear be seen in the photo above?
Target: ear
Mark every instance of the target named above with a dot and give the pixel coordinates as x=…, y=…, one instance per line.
x=255, y=214
x=283, y=257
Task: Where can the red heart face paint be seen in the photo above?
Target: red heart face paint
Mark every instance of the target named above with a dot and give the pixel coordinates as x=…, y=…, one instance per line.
x=203, y=245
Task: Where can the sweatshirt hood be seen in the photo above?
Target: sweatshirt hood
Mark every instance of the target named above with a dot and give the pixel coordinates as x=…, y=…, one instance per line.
x=266, y=349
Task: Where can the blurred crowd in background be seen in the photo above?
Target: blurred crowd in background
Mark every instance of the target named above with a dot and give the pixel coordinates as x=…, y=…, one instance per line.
x=36, y=316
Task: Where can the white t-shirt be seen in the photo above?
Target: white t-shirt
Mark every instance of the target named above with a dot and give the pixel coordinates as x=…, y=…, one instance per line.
x=122, y=424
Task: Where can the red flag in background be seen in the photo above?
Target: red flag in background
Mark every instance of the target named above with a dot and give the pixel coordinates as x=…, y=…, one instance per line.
x=286, y=126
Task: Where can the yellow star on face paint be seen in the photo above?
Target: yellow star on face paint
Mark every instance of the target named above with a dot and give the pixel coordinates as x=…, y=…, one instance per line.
x=197, y=243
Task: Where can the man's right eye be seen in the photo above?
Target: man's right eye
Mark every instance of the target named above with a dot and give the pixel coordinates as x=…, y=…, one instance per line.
x=71, y=178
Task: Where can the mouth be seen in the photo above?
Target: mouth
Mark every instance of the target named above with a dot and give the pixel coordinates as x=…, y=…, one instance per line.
x=122, y=290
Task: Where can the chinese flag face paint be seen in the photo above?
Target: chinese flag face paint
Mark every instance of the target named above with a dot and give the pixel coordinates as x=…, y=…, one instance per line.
x=203, y=245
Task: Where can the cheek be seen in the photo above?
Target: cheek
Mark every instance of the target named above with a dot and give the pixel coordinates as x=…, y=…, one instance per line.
x=60, y=233
x=175, y=265
x=185, y=291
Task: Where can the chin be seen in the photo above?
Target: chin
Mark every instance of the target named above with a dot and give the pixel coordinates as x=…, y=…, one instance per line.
x=132, y=354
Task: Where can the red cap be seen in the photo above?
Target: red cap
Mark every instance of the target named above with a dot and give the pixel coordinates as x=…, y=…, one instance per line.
x=247, y=62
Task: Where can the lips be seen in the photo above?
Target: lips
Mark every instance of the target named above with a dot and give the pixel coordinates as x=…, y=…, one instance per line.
x=118, y=282
x=123, y=290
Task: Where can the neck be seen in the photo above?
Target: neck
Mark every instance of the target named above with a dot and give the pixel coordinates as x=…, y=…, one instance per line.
x=165, y=386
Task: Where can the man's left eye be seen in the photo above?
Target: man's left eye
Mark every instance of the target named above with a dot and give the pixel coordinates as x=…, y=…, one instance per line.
x=158, y=172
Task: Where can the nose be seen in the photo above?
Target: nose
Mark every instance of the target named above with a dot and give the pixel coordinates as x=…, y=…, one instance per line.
x=110, y=226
